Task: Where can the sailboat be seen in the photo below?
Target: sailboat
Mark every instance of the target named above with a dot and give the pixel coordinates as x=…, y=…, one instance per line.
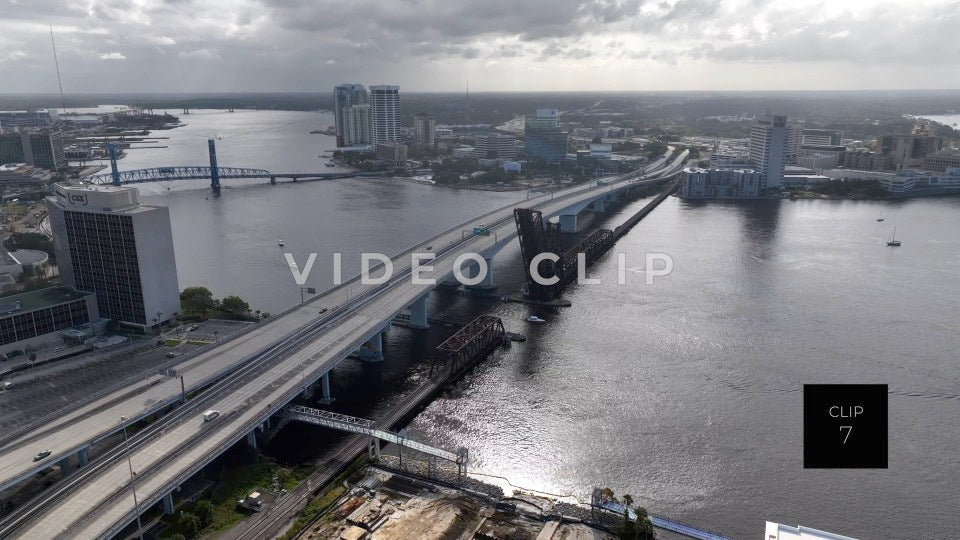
x=893, y=239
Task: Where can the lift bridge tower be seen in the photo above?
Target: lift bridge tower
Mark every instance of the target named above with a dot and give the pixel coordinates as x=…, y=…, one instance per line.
x=214, y=170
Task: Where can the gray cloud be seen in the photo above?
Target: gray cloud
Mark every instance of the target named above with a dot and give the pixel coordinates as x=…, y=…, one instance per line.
x=289, y=44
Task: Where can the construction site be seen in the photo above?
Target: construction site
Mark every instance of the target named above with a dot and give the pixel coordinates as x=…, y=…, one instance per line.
x=389, y=504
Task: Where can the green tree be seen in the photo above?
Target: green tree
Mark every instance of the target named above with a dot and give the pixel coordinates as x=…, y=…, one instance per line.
x=198, y=299
x=188, y=524
x=204, y=510
x=235, y=305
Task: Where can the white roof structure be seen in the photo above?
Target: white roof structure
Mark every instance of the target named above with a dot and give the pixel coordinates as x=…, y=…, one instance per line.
x=776, y=531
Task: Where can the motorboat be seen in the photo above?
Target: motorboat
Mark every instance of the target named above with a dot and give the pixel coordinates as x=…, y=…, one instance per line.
x=280, y=243
x=536, y=319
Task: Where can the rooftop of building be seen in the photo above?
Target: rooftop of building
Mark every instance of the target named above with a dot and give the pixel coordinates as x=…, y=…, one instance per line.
x=40, y=298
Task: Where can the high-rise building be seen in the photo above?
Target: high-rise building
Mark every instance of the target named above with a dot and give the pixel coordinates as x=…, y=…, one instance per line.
x=42, y=149
x=794, y=140
x=495, y=146
x=768, y=145
x=384, y=114
x=351, y=111
x=425, y=126
x=910, y=149
x=109, y=244
x=543, y=139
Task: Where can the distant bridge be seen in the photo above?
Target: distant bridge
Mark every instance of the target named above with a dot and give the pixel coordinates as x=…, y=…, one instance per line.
x=191, y=172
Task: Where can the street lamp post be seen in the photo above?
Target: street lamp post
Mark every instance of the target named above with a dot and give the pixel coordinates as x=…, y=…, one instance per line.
x=133, y=478
x=308, y=290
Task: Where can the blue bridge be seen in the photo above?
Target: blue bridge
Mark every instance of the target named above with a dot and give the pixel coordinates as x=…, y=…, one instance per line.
x=193, y=172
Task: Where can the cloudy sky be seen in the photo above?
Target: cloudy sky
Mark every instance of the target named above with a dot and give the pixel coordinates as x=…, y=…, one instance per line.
x=427, y=45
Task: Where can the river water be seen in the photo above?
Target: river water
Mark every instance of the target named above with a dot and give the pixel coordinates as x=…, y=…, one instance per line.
x=686, y=393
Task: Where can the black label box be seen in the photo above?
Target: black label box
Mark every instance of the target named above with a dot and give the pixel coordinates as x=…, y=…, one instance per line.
x=845, y=426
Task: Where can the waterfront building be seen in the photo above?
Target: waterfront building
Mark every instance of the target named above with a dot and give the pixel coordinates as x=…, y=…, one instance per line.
x=696, y=182
x=43, y=149
x=33, y=318
x=24, y=119
x=351, y=112
x=108, y=243
x=424, y=129
x=768, y=146
x=384, y=113
x=393, y=152
x=822, y=137
x=495, y=146
x=941, y=161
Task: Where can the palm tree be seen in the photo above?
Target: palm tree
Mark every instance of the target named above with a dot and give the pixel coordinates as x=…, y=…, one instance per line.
x=627, y=499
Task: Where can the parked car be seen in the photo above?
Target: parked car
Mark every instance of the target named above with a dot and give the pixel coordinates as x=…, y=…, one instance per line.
x=171, y=355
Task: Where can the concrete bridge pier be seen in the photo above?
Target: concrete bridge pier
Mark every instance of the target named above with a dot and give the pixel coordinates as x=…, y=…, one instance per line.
x=326, y=397
x=598, y=205
x=372, y=350
x=568, y=223
x=252, y=439
x=418, y=313
x=488, y=284
x=83, y=456
x=273, y=180
x=168, y=507
x=65, y=467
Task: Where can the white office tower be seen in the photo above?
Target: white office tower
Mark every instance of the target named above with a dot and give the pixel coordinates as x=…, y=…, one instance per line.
x=109, y=244
x=351, y=111
x=384, y=114
x=794, y=140
x=768, y=148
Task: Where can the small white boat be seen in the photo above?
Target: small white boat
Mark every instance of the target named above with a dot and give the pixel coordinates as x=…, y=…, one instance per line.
x=280, y=243
x=330, y=164
x=536, y=319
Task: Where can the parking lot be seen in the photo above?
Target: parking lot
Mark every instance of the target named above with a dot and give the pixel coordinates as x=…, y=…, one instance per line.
x=44, y=389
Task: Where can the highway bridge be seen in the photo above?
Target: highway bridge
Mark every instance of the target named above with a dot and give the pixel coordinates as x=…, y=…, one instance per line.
x=250, y=379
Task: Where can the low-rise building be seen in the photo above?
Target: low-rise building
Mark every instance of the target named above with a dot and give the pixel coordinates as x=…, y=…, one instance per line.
x=495, y=146
x=392, y=152
x=33, y=318
x=941, y=161
x=696, y=182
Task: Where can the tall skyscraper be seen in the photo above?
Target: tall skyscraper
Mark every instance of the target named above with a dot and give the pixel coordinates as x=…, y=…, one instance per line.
x=109, y=244
x=543, y=138
x=424, y=126
x=351, y=110
x=768, y=149
x=384, y=114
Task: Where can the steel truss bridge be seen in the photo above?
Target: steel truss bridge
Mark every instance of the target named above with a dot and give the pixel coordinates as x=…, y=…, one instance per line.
x=166, y=174
x=363, y=426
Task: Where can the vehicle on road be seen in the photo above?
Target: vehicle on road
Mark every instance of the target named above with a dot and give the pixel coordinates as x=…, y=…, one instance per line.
x=7, y=385
x=210, y=415
x=41, y=455
x=171, y=355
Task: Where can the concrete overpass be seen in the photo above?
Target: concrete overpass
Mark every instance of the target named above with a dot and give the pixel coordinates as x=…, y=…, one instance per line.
x=250, y=379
